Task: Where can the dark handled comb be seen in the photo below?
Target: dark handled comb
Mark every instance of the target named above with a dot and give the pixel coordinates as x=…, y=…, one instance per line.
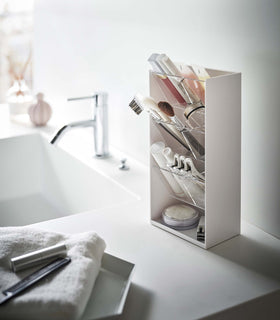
x=33, y=278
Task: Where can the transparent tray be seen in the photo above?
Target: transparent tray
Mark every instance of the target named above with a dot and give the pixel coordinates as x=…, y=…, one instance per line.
x=111, y=287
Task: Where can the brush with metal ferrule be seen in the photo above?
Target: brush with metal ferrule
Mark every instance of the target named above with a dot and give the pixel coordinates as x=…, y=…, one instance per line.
x=167, y=109
x=135, y=106
x=140, y=103
x=196, y=148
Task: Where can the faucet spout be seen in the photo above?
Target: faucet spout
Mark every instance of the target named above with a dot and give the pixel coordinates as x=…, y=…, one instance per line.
x=79, y=124
x=99, y=122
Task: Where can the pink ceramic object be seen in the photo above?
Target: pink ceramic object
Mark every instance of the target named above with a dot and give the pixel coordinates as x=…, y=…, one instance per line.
x=40, y=112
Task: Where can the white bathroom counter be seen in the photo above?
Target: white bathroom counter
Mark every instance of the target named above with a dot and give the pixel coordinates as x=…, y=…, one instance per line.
x=173, y=279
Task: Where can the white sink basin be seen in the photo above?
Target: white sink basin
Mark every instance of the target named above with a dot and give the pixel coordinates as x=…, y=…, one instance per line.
x=41, y=182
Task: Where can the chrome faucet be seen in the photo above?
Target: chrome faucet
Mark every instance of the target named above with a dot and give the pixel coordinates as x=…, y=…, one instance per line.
x=99, y=124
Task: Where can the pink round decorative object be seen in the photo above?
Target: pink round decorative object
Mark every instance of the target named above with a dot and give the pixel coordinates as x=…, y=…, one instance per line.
x=40, y=112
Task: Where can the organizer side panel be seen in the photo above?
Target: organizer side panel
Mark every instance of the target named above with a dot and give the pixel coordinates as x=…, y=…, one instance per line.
x=223, y=158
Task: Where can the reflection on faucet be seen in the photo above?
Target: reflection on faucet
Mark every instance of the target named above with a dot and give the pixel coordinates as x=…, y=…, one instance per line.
x=99, y=124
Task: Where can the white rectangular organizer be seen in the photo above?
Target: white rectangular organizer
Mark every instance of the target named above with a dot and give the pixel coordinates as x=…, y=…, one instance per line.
x=222, y=160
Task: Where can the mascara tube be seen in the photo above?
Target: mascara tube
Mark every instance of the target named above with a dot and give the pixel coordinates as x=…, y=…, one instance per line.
x=37, y=257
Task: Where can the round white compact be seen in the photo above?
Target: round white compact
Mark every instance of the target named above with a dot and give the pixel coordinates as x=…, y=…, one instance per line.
x=181, y=216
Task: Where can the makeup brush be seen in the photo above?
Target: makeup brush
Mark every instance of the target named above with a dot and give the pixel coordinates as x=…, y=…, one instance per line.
x=140, y=103
x=168, y=110
x=196, y=148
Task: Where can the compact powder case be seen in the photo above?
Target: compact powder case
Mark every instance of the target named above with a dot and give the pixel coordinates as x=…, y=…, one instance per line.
x=181, y=217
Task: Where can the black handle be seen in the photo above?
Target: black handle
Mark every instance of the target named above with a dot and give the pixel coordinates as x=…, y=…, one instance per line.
x=34, y=278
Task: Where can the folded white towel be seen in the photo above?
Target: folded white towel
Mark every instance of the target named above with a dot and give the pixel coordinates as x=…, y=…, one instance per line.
x=63, y=294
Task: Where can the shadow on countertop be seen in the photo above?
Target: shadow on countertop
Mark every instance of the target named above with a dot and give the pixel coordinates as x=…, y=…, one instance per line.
x=251, y=254
x=137, y=306
x=262, y=308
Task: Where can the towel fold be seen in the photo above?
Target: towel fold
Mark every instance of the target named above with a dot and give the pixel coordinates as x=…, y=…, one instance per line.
x=61, y=295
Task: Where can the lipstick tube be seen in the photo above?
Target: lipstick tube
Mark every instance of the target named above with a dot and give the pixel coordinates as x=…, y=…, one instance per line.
x=37, y=257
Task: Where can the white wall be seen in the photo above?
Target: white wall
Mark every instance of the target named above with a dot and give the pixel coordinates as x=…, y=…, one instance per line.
x=86, y=45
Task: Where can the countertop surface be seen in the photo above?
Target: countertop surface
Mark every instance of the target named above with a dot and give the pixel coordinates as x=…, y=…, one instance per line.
x=173, y=278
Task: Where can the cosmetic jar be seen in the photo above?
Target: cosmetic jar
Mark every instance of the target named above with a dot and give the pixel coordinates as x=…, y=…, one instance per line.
x=37, y=257
x=181, y=217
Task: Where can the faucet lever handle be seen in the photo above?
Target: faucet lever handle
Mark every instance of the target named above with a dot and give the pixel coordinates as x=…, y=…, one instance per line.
x=100, y=98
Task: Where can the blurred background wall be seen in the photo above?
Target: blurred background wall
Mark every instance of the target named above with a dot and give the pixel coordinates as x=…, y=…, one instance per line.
x=16, y=43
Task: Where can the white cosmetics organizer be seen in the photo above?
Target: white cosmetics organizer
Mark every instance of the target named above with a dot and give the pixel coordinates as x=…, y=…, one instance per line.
x=221, y=165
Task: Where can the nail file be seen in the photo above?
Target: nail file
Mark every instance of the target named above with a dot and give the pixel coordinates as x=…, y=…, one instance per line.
x=33, y=278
